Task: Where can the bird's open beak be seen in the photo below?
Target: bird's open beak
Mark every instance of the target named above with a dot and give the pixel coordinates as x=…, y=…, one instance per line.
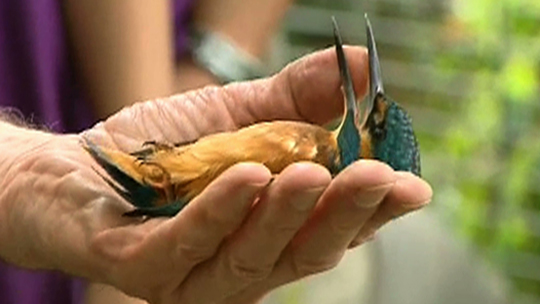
x=347, y=134
x=346, y=79
x=376, y=89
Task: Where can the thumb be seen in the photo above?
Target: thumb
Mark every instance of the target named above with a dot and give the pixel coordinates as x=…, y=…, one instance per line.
x=308, y=89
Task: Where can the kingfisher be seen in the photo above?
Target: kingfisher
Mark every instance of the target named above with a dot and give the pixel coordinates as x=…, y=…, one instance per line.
x=161, y=178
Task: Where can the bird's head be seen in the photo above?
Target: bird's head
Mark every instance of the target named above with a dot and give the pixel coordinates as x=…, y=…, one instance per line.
x=384, y=128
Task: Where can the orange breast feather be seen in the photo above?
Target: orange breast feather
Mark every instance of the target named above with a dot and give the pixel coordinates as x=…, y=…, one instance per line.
x=183, y=172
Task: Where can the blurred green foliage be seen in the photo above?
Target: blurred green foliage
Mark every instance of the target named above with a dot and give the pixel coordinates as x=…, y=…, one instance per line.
x=486, y=135
x=493, y=142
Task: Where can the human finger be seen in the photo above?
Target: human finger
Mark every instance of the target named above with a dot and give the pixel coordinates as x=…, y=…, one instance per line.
x=409, y=194
x=250, y=254
x=349, y=201
x=308, y=89
x=171, y=248
x=345, y=206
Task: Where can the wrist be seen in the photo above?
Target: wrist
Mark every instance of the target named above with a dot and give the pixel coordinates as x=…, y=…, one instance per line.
x=44, y=194
x=16, y=145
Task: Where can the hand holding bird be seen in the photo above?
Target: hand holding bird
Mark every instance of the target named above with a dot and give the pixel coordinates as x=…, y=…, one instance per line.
x=241, y=236
x=162, y=178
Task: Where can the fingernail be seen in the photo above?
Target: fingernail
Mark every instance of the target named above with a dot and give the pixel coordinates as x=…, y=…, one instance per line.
x=308, y=199
x=371, y=197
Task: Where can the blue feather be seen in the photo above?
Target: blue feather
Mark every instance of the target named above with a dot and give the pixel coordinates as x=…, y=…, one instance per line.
x=138, y=194
x=398, y=146
x=348, y=141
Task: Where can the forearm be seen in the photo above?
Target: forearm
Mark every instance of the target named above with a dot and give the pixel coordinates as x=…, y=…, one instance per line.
x=248, y=25
x=123, y=50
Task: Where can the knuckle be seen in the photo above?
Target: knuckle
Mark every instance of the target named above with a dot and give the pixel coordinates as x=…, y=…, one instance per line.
x=277, y=228
x=305, y=266
x=342, y=226
x=249, y=270
x=219, y=223
x=193, y=254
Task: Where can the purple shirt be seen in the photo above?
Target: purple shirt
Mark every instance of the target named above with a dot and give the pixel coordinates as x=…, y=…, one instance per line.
x=37, y=78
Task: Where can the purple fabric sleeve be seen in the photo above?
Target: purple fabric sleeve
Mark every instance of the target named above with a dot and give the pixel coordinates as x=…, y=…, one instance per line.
x=38, y=79
x=182, y=18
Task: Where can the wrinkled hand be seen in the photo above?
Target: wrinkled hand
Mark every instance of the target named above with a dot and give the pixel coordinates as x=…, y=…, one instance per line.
x=222, y=248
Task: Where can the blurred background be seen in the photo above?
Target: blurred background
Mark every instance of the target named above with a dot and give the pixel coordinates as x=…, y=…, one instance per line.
x=468, y=73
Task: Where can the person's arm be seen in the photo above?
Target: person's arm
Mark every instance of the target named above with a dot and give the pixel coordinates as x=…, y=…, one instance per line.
x=18, y=144
x=249, y=24
x=124, y=48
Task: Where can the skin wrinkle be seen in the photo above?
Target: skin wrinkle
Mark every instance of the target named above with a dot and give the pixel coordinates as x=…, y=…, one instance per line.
x=205, y=98
x=207, y=125
x=168, y=131
x=282, y=204
x=198, y=108
x=35, y=182
x=42, y=184
x=109, y=134
x=194, y=100
x=118, y=132
x=219, y=223
x=224, y=225
x=228, y=120
x=187, y=131
x=103, y=141
x=139, y=115
x=147, y=121
x=11, y=216
x=15, y=183
x=26, y=153
x=247, y=270
x=251, y=106
x=292, y=95
x=184, y=129
x=309, y=266
x=164, y=118
x=228, y=102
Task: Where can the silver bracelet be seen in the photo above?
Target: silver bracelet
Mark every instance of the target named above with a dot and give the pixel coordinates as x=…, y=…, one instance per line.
x=221, y=57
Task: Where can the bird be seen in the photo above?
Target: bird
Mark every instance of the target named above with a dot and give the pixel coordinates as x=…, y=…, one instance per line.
x=160, y=179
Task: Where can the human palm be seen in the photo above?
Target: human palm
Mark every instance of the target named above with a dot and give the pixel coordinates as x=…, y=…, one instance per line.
x=242, y=236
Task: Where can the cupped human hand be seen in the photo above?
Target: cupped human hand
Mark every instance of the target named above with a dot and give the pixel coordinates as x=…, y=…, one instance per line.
x=242, y=236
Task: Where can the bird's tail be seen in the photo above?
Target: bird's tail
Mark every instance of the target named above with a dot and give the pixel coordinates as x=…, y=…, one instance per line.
x=128, y=182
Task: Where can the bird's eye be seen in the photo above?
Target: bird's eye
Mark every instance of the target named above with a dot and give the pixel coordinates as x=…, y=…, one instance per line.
x=379, y=133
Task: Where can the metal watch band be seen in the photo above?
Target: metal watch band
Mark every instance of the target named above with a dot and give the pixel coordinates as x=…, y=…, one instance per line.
x=222, y=58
